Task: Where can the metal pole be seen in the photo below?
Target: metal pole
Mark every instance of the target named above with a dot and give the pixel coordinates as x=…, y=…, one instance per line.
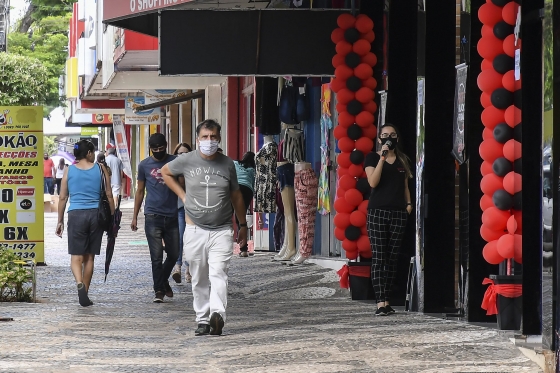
x=353, y=6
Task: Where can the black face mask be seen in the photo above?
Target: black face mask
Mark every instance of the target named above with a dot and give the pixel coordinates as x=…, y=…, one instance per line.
x=393, y=142
x=159, y=155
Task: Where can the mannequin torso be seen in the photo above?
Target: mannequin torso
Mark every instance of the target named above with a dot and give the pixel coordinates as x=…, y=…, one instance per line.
x=300, y=166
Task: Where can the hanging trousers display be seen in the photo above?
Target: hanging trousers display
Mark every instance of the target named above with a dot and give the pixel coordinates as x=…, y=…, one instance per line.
x=306, y=187
x=385, y=230
x=278, y=228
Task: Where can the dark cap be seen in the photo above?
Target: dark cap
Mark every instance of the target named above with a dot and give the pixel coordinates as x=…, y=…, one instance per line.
x=156, y=140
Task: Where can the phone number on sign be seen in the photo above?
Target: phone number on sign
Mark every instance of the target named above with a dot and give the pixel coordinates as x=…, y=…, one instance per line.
x=18, y=246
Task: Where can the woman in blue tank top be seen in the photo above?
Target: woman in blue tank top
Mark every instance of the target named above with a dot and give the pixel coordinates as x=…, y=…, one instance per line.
x=81, y=183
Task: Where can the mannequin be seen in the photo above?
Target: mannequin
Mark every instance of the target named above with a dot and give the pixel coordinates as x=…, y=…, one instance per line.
x=287, y=191
x=265, y=178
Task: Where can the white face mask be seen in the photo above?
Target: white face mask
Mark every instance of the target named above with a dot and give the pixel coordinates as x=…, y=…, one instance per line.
x=208, y=147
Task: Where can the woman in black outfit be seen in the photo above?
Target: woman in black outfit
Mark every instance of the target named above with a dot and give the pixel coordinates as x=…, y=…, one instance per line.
x=389, y=205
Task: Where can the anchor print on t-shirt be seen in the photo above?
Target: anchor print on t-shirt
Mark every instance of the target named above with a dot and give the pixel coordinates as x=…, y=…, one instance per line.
x=156, y=174
x=207, y=193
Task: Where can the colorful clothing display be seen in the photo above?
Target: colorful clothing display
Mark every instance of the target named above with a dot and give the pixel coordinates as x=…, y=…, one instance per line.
x=306, y=185
x=292, y=145
x=266, y=179
x=324, y=200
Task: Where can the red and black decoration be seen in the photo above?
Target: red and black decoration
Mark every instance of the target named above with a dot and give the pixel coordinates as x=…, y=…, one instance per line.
x=354, y=86
x=501, y=145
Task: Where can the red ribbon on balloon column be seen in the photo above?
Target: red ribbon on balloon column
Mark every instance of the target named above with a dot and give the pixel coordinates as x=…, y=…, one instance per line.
x=491, y=294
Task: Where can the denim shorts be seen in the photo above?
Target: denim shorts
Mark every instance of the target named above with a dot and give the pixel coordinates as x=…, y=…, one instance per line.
x=84, y=234
x=285, y=175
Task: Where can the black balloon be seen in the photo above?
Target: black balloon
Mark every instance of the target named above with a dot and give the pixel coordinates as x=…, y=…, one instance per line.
x=502, y=30
x=517, y=132
x=352, y=35
x=354, y=132
x=502, y=200
x=500, y=2
x=354, y=83
x=353, y=233
x=517, y=98
x=517, y=201
x=503, y=63
x=502, y=166
x=501, y=98
x=363, y=185
x=354, y=107
x=353, y=59
x=517, y=166
x=503, y=133
x=357, y=157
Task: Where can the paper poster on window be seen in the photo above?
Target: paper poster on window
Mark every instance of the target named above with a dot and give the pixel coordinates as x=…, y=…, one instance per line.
x=145, y=117
x=459, y=113
x=122, y=144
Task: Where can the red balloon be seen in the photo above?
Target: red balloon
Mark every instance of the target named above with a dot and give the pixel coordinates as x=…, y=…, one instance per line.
x=356, y=170
x=340, y=205
x=512, y=182
x=518, y=248
x=338, y=60
x=349, y=245
x=509, y=45
x=346, y=144
x=342, y=220
x=365, y=119
x=337, y=35
x=343, y=72
x=491, y=183
x=512, y=150
x=491, y=117
x=365, y=95
x=352, y=254
x=340, y=132
x=340, y=107
x=364, y=144
x=486, y=31
x=512, y=116
x=486, y=64
x=361, y=47
x=370, y=132
x=345, y=21
x=364, y=23
x=369, y=36
x=506, y=246
x=347, y=182
x=353, y=197
x=487, y=133
x=485, y=168
x=490, y=150
x=370, y=107
x=343, y=160
x=508, y=81
x=490, y=235
x=519, y=220
x=340, y=192
x=485, y=100
x=370, y=83
x=363, y=71
x=370, y=59
x=511, y=225
x=363, y=206
x=363, y=175
x=337, y=84
x=363, y=244
x=490, y=253
x=489, y=47
x=489, y=14
x=495, y=219
x=358, y=218
x=488, y=80
x=343, y=47
x=345, y=119
x=509, y=12
x=485, y=202
x=340, y=234
x=341, y=171
x=344, y=96
x=363, y=229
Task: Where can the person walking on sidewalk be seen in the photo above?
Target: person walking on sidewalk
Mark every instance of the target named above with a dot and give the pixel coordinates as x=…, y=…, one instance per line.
x=181, y=148
x=117, y=170
x=60, y=173
x=81, y=183
x=245, y=169
x=49, y=174
x=389, y=205
x=160, y=212
x=211, y=191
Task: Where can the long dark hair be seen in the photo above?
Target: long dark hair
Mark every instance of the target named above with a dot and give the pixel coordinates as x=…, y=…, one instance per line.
x=61, y=162
x=403, y=158
x=81, y=149
x=248, y=160
x=184, y=145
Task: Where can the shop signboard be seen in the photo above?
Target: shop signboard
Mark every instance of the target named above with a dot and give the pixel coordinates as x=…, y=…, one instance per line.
x=459, y=113
x=122, y=144
x=145, y=117
x=129, y=8
x=156, y=95
x=21, y=181
x=89, y=131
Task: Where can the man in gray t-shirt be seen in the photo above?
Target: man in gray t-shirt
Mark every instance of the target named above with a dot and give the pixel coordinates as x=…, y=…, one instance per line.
x=211, y=190
x=116, y=166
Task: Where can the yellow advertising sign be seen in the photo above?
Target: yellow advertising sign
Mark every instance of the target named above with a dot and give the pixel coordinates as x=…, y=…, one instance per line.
x=21, y=181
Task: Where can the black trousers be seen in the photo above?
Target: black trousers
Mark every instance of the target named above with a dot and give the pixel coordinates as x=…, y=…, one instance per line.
x=247, y=198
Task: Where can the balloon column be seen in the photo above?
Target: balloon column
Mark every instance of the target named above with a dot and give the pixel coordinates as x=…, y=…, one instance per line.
x=354, y=87
x=501, y=145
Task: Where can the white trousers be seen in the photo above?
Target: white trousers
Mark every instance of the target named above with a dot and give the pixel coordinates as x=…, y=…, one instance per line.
x=208, y=254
